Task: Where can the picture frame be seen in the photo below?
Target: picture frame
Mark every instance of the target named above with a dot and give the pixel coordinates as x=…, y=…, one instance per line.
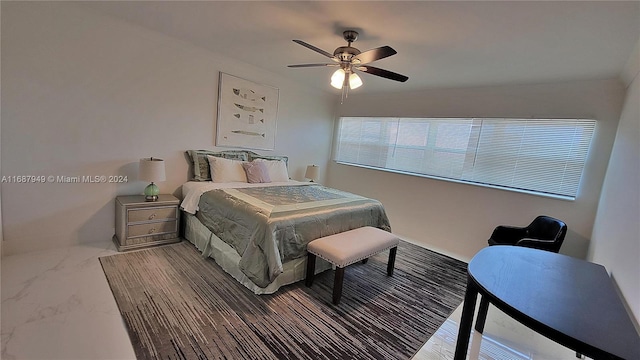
x=247, y=114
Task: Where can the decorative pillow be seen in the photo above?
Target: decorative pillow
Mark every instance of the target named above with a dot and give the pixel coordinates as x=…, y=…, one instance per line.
x=225, y=170
x=254, y=156
x=256, y=172
x=200, y=163
x=276, y=169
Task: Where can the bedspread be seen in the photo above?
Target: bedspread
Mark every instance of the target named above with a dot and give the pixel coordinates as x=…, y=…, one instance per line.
x=271, y=225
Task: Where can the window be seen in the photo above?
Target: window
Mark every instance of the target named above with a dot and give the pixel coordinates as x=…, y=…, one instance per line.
x=542, y=156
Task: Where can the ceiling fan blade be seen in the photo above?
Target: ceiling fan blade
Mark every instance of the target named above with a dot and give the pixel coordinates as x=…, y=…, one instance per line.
x=309, y=46
x=383, y=73
x=375, y=54
x=310, y=65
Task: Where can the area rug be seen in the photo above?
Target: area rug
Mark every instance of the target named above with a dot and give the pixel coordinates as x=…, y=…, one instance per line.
x=178, y=305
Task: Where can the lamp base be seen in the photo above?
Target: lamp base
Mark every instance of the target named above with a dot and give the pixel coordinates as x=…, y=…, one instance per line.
x=151, y=192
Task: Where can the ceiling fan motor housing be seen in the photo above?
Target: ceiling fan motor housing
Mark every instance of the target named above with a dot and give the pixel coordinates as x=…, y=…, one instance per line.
x=346, y=53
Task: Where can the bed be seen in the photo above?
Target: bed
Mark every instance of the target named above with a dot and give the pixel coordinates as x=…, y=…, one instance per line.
x=258, y=231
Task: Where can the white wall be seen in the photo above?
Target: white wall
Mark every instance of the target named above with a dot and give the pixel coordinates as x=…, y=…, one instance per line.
x=616, y=232
x=458, y=218
x=1, y=231
x=84, y=94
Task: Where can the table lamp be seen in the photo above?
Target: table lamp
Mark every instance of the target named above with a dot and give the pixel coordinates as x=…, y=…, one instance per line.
x=312, y=173
x=151, y=169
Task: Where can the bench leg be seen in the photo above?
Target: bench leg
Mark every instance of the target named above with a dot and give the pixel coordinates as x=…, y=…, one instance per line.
x=337, y=285
x=392, y=260
x=311, y=269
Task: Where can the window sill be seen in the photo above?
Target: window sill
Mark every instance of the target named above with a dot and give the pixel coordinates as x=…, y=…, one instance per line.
x=529, y=192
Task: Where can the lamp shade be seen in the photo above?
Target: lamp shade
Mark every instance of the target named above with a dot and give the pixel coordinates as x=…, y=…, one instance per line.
x=151, y=169
x=337, y=79
x=354, y=81
x=312, y=173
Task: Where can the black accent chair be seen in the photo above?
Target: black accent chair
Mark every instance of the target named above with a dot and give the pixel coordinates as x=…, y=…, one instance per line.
x=544, y=232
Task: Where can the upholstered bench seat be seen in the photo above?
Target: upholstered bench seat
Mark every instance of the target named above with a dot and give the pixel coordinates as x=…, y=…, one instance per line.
x=346, y=248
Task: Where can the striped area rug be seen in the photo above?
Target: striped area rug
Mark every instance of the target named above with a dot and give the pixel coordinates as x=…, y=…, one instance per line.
x=177, y=305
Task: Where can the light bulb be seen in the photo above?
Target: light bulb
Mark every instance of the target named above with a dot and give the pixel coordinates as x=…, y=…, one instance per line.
x=354, y=81
x=337, y=79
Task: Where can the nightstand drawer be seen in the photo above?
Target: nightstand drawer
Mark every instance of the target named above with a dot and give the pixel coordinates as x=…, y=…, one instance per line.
x=161, y=227
x=156, y=213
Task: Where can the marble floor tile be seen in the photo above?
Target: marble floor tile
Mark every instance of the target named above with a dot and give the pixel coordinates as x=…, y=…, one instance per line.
x=56, y=304
x=503, y=338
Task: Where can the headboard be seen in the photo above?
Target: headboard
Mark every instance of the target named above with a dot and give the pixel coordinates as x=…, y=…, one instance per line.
x=200, y=165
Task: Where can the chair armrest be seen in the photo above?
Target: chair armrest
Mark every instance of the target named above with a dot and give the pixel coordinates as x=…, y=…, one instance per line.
x=525, y=241
x=549, y=245
x=507, y=234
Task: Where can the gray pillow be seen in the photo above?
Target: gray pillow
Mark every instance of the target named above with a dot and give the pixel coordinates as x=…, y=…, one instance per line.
x=201, y=171
x=253, y=156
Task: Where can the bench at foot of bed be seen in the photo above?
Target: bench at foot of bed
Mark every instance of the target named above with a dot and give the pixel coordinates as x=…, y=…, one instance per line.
x=346, y=248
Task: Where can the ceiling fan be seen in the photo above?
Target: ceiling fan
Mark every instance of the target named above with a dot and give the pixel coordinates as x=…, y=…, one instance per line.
x=349, y=59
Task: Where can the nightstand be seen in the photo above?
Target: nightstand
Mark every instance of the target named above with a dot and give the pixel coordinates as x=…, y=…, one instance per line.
x=141, y=223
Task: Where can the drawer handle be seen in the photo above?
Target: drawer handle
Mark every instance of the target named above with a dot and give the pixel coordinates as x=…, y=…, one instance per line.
x=152, y=216
x=152, y=230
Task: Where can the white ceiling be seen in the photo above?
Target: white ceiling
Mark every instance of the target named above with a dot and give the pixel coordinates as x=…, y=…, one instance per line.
x=439, y=44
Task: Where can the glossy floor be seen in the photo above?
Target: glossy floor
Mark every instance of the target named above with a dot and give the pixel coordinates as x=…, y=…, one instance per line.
x=503, y=338
x=56, y=304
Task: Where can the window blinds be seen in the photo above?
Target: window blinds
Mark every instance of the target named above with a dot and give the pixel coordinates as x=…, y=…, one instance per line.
x=544, y=156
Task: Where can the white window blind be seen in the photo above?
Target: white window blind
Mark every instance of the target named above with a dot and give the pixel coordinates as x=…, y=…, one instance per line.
x=543, y=156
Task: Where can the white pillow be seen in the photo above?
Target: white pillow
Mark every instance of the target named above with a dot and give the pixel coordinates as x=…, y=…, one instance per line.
x=226, y=170
x=277, y=169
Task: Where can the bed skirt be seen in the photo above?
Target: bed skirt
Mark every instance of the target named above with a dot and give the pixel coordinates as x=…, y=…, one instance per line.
x=224, y=255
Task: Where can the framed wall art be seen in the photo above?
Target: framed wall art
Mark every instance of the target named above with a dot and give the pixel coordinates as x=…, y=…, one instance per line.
x=247, y=114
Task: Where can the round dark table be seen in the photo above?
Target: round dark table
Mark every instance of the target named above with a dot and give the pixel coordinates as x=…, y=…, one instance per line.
x=570, y=301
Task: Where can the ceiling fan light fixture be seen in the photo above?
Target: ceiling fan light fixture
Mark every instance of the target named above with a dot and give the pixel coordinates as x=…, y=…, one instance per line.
x=354, y=81
x=337, y=79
